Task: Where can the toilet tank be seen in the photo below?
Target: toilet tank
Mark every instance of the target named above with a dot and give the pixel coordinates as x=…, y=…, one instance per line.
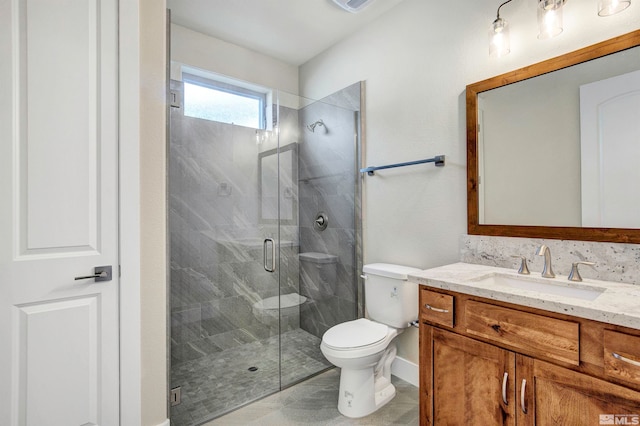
x=390, y=298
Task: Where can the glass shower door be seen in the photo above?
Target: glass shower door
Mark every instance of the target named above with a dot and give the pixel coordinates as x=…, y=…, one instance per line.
x=223, y=249
x=319, y=194
x=256, y=276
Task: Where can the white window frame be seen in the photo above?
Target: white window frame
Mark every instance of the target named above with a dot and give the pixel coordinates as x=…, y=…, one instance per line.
x=235, y=87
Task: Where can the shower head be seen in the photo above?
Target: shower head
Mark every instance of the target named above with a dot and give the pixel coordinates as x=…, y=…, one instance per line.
x=312, y=126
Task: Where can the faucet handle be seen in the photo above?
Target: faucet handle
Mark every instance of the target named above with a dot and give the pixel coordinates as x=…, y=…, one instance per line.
x=575, y=275
x=524, y=269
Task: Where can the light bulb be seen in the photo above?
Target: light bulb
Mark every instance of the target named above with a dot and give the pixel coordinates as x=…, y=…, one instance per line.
x=549, y=18
x=499, y=38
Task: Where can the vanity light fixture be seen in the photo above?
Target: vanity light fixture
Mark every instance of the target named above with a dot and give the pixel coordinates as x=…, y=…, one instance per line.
x=611, y=7
x=499, y=35
x=549, y=22
x=549, y=18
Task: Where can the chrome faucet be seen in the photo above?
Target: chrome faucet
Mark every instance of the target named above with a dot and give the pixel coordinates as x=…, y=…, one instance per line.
x=547, y=271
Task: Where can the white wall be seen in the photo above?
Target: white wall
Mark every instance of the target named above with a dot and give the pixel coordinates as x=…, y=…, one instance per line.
x=142, y=116
x=153, y=212
x=201, y=51
x=416, y=61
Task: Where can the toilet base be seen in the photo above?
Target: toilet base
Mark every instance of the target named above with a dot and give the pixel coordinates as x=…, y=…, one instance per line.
x=366, y=390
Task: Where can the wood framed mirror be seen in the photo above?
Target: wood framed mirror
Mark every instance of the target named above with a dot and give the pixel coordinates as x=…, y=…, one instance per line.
x=530, y=167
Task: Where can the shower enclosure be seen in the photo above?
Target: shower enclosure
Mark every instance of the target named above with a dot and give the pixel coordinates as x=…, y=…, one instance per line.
x=264, y=248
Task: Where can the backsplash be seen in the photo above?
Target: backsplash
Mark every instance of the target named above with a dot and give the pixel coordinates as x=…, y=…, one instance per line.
x=614, y=261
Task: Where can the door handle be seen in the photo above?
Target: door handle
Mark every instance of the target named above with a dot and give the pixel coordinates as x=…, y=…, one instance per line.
x=273, y=254
x=100, y=273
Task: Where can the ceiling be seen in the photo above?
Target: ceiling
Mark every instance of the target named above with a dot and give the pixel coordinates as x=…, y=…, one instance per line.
x=292, y=31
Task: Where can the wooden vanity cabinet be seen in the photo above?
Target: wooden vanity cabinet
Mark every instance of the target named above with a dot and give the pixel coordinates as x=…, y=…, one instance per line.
x=560, y=396
x=475, y=359
x=462, y=381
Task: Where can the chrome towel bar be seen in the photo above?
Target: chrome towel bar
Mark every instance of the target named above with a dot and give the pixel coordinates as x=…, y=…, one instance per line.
x=438, y=160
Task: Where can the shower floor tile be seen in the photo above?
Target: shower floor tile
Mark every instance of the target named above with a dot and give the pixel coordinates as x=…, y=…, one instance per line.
x=221, y=381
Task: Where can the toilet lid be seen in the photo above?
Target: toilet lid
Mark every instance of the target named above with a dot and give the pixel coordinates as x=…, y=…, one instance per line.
x=354, y=334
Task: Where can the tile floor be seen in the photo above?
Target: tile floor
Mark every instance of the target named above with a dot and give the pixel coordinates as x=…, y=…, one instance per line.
x=221, y=381
x=314, y=402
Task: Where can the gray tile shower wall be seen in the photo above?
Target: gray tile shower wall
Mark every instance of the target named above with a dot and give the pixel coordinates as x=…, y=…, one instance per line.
x=615, y=262
x=327, y=162
x=217, y=224
x=230, y=187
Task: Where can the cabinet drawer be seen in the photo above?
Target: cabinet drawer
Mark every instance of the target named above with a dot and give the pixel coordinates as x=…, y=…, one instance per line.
x=622, y=356
x=436, y=308
x=527, y=333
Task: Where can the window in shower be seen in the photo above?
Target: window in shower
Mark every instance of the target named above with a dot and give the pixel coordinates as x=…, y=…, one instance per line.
x=216, y=100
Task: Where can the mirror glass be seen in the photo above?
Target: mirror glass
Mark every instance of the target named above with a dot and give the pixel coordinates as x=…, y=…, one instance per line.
x=555, y=145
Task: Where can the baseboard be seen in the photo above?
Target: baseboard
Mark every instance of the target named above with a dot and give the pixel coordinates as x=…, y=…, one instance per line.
x=405, y=370
x=165, y=423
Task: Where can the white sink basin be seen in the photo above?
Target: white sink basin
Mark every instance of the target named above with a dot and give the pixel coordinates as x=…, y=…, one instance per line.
x=542, y=285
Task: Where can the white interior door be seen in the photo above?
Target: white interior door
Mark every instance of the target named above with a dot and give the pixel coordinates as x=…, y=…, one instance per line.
x=58, y=212
x=610, y=149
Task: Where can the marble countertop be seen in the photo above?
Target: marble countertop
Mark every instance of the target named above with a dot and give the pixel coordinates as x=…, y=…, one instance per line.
x=619, y=303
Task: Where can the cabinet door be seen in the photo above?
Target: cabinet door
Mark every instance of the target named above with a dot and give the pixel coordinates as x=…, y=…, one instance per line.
x=565, y=397
x=468, y=382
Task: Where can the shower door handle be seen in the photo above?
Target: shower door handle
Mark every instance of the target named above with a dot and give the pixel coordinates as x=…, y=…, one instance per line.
x=273, y=254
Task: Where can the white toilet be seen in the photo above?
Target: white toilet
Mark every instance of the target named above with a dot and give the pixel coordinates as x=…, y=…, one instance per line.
x=363, y=348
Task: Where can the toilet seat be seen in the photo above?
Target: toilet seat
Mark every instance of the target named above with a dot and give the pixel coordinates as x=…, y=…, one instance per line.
x=355, y=334
x=361, y=337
